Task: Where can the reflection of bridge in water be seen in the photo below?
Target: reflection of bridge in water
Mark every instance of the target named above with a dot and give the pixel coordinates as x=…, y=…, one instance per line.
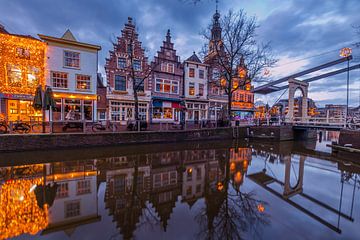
x=284, y=151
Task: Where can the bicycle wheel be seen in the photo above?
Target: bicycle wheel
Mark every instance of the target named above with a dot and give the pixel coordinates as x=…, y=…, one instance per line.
x=36, y=128
x=3, y=129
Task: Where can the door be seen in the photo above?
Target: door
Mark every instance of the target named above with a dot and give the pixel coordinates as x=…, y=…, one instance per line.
x=196, y=117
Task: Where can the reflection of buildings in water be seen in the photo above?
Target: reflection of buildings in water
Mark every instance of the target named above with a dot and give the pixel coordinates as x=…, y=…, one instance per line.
x=75, y=203
x=193, y=181
x=332, y=136
x=127, y=186
x=165, y=183
x=19, y=210
x=240, y=158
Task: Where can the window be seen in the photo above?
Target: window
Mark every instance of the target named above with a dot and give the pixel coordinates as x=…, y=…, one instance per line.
x=83, y=187
x=189, y=174
x=120, y=83
x=137, y=65
x=121, y=63
x=198, y=173
x=173, y=176
x=139, y=84
x=71, y=59
x=191, y=89
x=129, y=49
x=201, y=89
x=201, y=74
x=72, y=209
x=170, y=68
x=22, y=53
x=32, y=77
x=59, y=79
x=198, y=188
x=62, y=190
x=119, y=184
x=191, y=72
x=189, y=191
x=82, y=82
x=157, y=180
x=72, y=110
x=167, y=86
x=215, y=74
x=88, y=110
x=14, y=75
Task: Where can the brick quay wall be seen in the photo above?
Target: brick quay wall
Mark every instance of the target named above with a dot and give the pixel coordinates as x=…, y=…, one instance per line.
x=23, y=142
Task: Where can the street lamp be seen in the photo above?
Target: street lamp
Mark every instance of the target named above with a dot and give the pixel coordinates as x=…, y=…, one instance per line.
x=346, y=52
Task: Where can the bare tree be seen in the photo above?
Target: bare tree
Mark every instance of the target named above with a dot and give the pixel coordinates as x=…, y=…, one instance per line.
x=238, y=52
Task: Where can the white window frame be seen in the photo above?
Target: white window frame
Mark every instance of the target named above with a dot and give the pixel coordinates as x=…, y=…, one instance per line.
x=64, y=62
x=172, y=83
x=76, y=82
x=52, y=79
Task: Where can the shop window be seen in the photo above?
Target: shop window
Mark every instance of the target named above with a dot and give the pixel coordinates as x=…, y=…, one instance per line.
x=168, y=113
x=71, y=59
x=157, y=113
x=142, y=114
x=14, y=75
x=139, y=84
x=137, y=65
x=62, y=190
x=72, y=209
x=201, y=89
x=191, y=72
x=83, y=187
x=59, y=79
x=83, y=82
x=120, y=83
x=129, y=113
x=88, y=110
x=121, y=63
x=72, y=110
x=201, y=74
x=32, y=77
x=102, y=116
x=191, y=89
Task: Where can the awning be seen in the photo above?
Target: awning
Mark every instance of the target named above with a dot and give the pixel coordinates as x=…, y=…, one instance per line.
x=177, y=105
x=157, y=103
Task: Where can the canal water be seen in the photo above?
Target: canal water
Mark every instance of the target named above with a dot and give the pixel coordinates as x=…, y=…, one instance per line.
x=193, y=190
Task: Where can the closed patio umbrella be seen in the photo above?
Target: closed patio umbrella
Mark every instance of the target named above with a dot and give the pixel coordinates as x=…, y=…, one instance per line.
x=49, y=102
x=38, y=101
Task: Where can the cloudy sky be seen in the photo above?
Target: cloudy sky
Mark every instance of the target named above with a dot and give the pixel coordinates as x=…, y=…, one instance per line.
x=303, y=33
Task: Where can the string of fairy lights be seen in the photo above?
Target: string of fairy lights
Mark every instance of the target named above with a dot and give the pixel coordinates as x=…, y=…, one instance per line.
x=24, y=59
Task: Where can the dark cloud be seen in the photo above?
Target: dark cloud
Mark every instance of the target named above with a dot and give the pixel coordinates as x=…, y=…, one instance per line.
x=296, y=29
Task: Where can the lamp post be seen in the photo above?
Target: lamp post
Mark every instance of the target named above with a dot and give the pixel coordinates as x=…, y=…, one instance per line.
x=346, y=52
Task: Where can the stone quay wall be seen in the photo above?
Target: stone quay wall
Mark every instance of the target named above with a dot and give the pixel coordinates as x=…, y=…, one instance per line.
x=22, y=142
x=350, y=137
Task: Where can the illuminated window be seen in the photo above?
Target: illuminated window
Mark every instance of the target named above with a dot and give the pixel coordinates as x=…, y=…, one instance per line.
x=121, y=63
x=83, y=82
x=191, y=72
x=32, y=76
x=14, y=75
x=191, y=89
x=71, y=59
x=167, y=86
x=72, y=209
x=59, y=79
x=83, y=187
x=201, y=89
x=201, y=74
x=23, y=53
x=62, y=190
x=120, y=83
x=168, y=113
x=137, y=65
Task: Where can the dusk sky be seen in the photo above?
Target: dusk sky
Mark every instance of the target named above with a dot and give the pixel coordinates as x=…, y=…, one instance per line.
x=302, y=33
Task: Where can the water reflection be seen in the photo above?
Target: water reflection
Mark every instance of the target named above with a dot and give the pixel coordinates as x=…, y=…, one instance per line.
x=223, y=190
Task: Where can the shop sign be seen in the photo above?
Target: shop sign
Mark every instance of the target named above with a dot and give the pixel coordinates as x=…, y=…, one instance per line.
x=17, y=96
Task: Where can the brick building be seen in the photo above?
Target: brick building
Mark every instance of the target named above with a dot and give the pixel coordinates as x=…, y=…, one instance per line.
x=118, y=72
x=167, y=82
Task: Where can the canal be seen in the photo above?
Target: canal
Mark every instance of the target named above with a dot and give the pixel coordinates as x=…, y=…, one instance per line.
x=192, y=190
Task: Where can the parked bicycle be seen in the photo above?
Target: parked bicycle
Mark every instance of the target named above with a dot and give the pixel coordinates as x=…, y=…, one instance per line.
x=97, y=127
